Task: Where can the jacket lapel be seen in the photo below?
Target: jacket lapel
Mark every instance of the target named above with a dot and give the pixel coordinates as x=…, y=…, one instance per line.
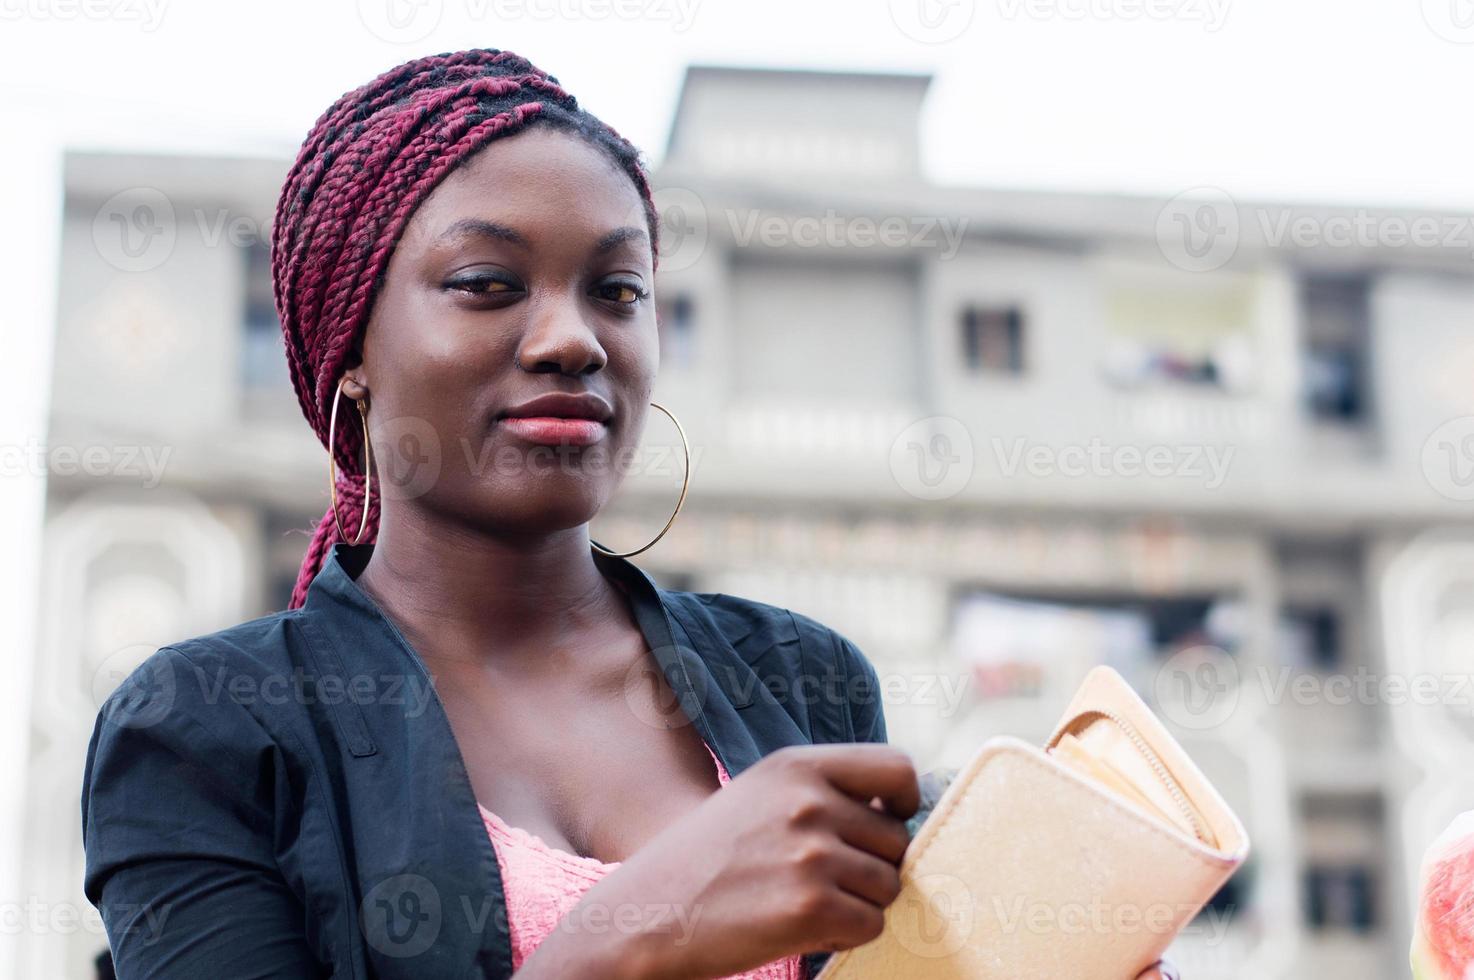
x=718, y=692
x=428, y=885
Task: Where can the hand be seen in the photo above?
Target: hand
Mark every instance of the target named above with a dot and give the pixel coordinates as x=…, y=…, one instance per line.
x=791, y=857
x=1161, y=970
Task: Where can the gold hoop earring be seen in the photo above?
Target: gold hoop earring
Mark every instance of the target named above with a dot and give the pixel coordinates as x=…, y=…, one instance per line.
x=685, y=485
x=368, y=465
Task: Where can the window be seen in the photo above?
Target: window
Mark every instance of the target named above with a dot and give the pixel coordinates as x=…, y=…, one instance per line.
x=676, y=316
x=1194, y=333
x=1339, y=897
x=1017, y=645
x=993, y=340
x=1344, y=838
x=1310, y=637
x=263, y=358
x=1335, y=318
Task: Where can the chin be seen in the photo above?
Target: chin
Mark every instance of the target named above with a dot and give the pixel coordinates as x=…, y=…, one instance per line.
x=550, y=503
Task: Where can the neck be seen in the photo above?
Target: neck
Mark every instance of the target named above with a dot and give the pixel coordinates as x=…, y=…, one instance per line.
x=459, y=592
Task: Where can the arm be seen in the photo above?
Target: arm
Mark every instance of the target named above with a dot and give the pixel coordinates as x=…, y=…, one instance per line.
x=867, y=710
x=177, y=824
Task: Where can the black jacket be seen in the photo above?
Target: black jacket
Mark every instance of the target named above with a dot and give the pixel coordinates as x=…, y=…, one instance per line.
x=285, y=798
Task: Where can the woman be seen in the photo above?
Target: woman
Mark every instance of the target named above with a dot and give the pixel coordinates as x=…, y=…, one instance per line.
x=463, y=261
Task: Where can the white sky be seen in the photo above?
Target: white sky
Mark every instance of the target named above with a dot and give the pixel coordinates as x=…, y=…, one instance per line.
x=1352, y=101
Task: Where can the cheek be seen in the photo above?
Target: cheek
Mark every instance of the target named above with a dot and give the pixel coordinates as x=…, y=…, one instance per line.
x=432, y=361
x=640, y=351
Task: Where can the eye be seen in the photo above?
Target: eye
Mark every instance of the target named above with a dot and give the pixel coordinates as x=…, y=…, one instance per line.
x=483, y=282
x=621, y=292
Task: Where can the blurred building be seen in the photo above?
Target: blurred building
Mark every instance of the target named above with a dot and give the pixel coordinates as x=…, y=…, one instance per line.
x=993, y=436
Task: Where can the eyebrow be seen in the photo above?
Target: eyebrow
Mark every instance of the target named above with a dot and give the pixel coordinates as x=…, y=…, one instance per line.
x=484, y=229
x=619, y=236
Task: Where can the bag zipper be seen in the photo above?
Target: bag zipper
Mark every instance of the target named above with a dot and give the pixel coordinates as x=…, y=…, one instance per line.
x=1164, y=775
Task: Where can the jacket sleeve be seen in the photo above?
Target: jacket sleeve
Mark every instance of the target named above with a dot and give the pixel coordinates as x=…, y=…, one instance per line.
x=867, y=719
x=867, y=713
x=177, y=823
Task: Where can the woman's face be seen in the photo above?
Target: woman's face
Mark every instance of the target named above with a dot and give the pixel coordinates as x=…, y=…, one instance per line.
x=525, y=274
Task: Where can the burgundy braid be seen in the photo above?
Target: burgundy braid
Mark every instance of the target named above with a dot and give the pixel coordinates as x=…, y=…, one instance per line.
x=368, y=162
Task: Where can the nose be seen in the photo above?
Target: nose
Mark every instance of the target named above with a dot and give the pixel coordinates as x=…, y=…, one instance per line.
x=559, y=340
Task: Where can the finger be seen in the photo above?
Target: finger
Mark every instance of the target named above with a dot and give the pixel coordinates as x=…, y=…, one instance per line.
x=865, y=771
x=844, y=922
x=866, y=876
x=870, y=830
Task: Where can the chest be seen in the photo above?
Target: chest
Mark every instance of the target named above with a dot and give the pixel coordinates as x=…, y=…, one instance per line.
x=557, y=756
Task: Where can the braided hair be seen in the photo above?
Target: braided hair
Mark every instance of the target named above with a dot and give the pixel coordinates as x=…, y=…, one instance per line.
x=367, y=163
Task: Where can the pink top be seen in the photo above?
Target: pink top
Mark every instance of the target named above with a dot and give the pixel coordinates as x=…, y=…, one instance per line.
x=542, y=884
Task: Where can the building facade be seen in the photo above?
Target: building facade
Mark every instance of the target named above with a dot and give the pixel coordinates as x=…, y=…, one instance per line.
x=995, y=437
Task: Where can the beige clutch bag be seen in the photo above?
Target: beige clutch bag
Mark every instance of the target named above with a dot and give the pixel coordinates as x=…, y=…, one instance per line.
x=1078, y=862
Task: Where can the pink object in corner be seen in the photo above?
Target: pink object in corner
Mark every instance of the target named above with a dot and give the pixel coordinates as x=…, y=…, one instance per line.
x=542, y=884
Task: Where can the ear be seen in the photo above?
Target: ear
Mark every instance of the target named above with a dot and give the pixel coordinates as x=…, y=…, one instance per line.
x=353, y=384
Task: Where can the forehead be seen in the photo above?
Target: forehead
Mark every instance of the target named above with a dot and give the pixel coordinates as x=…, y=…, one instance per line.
x=538, y=175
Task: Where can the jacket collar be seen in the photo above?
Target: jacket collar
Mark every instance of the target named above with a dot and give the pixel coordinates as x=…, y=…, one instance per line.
x=334, y=588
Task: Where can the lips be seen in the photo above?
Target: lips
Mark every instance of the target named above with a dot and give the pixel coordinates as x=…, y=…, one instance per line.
x=559, y=419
